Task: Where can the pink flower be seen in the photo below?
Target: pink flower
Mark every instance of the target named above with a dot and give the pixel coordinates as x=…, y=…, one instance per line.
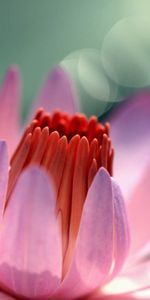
x=64, y=232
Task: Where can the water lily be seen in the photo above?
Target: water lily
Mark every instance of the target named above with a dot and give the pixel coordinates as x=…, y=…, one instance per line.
x=64, y=232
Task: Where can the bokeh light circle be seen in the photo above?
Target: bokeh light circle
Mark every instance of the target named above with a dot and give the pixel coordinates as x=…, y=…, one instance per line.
x=126, y=52
x=97, y=92
x=92, y=76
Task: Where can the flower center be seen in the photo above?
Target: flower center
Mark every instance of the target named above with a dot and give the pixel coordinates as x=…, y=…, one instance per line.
x=71, y=149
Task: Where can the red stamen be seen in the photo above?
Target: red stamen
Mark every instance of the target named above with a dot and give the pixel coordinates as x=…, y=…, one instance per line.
x=39, y=114
x=18, y=163
x=51, y=147
x=104, y=151
x=40, y=147
x=93, y=151
x=65, y=191
x=57, y=162
x=79, y=191
x=45, y=121
x=34, y=142
x=92, y=171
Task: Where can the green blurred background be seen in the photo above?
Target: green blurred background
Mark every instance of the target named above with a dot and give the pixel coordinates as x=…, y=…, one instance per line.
x=104, y=44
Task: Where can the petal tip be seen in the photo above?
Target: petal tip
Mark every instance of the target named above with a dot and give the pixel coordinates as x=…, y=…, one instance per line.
x=34, y=171
x=3, y=146
x=103, y=172
x=12, y=72
x=103, y=179
x=3, y=143
x=39, y=174
x=57, y=73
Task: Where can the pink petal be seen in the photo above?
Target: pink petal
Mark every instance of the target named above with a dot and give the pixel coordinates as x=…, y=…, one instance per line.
x=3, y=175
x=10, y=107
x=131, y=137
x=93, y=254
x=139, y=212
x=30, y=244
x=57, y=93
x=121, y=236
